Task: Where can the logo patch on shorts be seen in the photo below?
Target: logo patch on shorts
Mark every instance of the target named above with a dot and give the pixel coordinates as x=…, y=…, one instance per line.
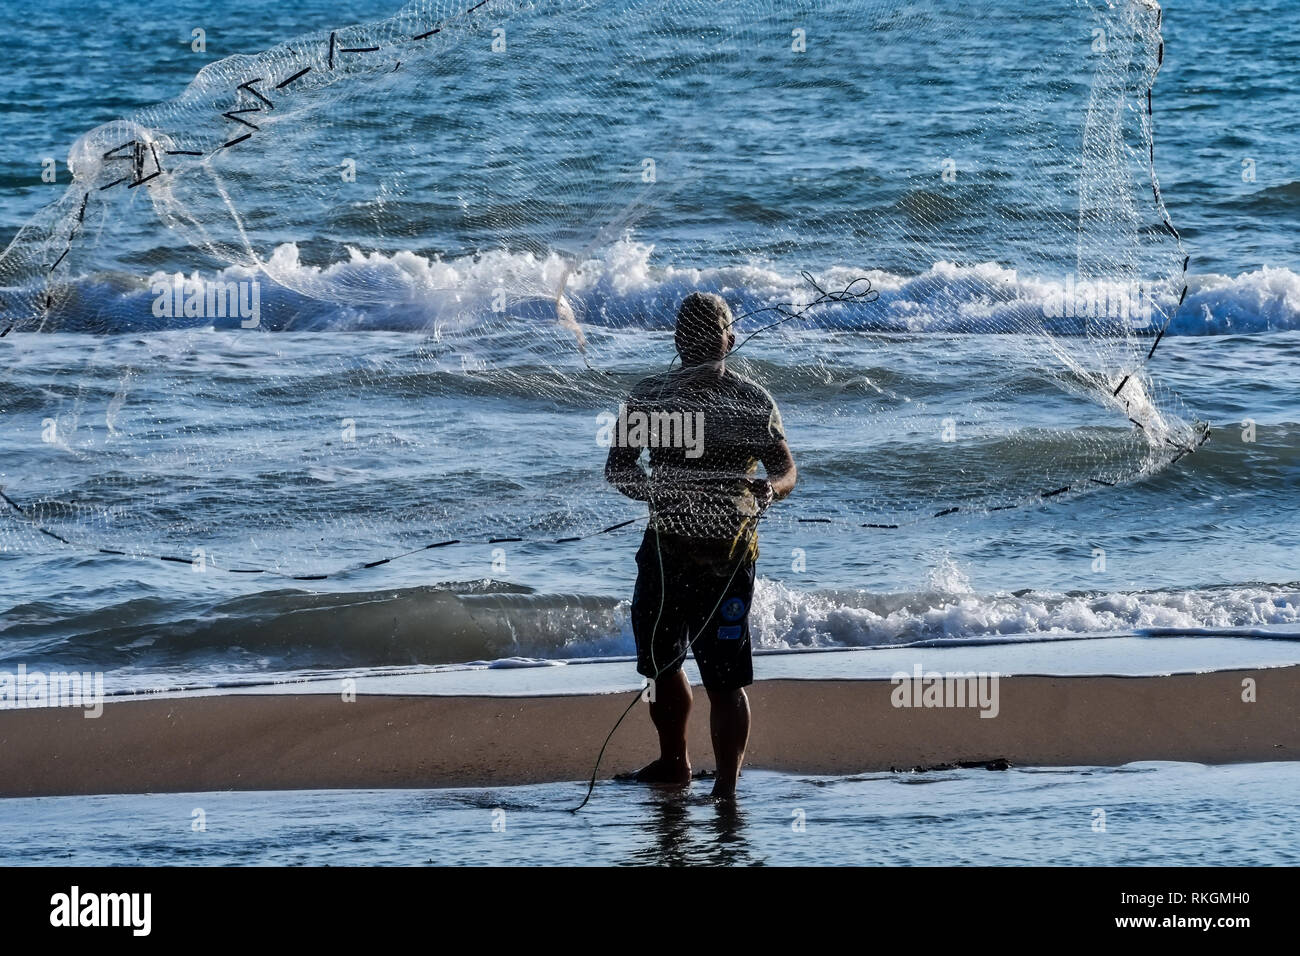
x=729, y=633
x=733, y=609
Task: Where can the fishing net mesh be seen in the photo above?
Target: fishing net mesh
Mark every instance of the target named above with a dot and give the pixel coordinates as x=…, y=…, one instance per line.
x=402, y=283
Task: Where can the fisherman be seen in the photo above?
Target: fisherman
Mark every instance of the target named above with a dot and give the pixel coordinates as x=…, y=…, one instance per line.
x=695, y=579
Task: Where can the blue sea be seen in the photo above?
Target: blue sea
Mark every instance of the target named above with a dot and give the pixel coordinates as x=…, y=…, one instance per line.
x=340, y=435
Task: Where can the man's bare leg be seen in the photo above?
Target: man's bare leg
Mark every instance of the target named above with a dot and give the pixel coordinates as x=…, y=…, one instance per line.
x=729, y=726
x=670, y=710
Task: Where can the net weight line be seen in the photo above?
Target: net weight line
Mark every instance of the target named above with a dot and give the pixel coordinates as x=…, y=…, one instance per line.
x=1163, y=213
x=271, y=572
x=137, y=149
x=1030, y=501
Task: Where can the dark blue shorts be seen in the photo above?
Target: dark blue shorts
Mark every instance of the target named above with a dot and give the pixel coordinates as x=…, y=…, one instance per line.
x=682, y=604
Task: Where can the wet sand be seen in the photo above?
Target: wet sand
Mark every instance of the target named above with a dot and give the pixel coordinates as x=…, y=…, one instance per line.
x=318, y=741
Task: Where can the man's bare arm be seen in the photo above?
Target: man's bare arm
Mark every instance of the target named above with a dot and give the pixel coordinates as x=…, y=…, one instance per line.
x=623, y=470
x=781, y=471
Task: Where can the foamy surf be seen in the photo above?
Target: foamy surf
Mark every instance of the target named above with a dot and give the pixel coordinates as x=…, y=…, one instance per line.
x=623, y=285
x=508, y=629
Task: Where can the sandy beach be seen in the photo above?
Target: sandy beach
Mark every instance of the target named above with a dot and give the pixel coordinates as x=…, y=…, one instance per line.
x=318, y=741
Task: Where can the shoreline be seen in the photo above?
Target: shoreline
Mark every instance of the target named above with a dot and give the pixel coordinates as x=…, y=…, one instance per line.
x=832, y=727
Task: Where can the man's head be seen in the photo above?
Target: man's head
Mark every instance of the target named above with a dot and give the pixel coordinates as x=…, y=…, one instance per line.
x=703, y=329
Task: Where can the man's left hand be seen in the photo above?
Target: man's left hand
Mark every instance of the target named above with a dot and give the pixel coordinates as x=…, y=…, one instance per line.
x=762, y=491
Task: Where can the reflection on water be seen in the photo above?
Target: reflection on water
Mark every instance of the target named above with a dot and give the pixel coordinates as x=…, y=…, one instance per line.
x=682, y=829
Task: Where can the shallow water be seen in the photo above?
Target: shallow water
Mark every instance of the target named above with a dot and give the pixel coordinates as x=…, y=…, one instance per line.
x=1154, y=814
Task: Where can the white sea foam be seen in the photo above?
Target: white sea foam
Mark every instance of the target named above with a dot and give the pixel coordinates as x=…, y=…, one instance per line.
x=625, y=284
x=787, y=617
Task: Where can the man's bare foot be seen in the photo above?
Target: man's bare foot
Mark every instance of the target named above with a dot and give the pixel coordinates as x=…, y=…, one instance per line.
x=660, y=771
x=724, y=788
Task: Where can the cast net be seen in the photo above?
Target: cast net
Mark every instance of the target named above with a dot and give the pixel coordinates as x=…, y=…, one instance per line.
x=402, y=283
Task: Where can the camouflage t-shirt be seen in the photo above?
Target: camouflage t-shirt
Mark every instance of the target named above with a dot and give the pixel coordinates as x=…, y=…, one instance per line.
x=706, y=431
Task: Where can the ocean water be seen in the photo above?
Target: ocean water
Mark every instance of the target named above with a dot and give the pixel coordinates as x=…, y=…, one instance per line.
x=1141, y=814
x=1209, y=545
x=231, y=452
x=1205, y=544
